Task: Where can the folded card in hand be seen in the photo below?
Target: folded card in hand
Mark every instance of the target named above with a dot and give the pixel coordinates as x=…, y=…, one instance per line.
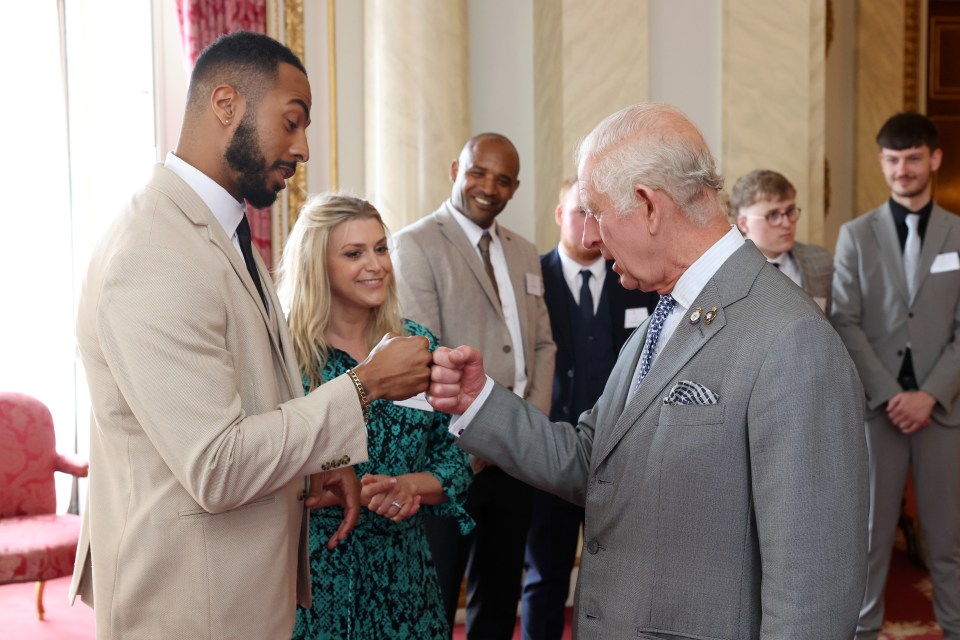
x=689, y=392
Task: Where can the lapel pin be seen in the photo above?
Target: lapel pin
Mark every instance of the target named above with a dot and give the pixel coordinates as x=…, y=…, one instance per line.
x=710, y=315
x=695, y=316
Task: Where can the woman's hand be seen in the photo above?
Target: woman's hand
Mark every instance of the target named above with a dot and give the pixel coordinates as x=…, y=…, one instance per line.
x=393, y=497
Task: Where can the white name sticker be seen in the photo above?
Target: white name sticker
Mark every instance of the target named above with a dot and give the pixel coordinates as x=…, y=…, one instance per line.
x=633, y=318
x=418, y=401
x=946, y=262
x=534, y=284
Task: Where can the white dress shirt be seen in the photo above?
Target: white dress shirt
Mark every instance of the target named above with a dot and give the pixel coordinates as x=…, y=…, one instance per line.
x=571, y=273
x=788, y=265
x=508, y=300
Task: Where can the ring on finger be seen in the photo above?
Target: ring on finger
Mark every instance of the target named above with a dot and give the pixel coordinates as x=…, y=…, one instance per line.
x=396, y=504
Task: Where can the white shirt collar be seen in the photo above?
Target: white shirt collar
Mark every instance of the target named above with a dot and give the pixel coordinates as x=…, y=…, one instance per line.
x=572, y=268
x=695, y=278
x=471, y=228
x=225, y=208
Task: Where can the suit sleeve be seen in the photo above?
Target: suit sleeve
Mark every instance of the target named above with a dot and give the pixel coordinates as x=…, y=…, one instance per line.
x=943, y=381
x=161, y=324
x=416, y=285
x=846, y=314
x=808, y=469
x=544, y=355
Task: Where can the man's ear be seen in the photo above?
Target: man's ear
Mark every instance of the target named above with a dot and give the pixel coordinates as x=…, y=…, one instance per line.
x=454, y=167
x=649, y=205
x=936, y=157
x=558, y=215
x=227, y=104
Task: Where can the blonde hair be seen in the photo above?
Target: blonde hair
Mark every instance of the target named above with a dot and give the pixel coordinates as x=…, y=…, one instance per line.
x=304, y=287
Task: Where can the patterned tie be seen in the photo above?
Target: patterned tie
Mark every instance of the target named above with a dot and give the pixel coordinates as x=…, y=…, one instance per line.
x=484, y=246
x=586, y=297
x=664, y=307
x=911, y=253
x=246, y=248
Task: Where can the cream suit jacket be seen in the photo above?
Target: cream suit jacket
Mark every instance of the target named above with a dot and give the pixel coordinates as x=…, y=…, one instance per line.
x=874, y=315
x=443, y=286
x=200, y=438
x=739, y=519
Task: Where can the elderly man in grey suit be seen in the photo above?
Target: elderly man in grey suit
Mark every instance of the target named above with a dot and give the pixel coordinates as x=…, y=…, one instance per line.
x=472, y=280
x=723, y=470
x=896, y=304
x=200, y=438
x=764, y=205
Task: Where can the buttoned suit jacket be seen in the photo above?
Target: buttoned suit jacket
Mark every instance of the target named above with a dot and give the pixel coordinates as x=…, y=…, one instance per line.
x=816, y=272
x=200, y=438
x=742, y=519
x=876, y=319
x=443, y=286
x=558, y=305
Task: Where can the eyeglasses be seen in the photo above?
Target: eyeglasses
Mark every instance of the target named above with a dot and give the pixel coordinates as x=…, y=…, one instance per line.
x=775, y=218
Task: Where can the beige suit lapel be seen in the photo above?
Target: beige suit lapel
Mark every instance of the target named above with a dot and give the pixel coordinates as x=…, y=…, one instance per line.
x=451, y=230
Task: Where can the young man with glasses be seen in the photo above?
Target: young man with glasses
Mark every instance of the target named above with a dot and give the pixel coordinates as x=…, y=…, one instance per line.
x=763, y=202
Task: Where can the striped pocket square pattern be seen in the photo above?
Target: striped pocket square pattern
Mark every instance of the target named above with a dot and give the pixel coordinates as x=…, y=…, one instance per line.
x=689, y=392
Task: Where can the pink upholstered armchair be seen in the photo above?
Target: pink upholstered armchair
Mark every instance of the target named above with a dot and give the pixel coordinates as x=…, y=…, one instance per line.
x=35, y=543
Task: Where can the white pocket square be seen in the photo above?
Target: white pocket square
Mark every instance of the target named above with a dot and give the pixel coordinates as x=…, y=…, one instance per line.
x=689, y=392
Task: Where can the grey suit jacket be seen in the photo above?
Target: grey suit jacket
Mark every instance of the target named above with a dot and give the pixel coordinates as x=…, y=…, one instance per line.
x=816, y=272
x=874, y=316
x=738, y=520
x=200, y=440
x=443, y=286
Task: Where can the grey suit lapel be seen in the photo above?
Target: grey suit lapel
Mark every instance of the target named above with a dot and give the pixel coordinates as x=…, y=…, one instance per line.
x=933, y=240
x=451, y=230
x=731, y=283
x=885, y=231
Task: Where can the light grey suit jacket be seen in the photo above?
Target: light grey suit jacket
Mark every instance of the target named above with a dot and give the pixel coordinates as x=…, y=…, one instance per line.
x=200, y=440
x=816, y=272
x=738, y=520
x=874, y=316
x=443, y=286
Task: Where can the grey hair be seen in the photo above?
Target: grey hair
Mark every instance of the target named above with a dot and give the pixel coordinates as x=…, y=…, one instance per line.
x=641, y=144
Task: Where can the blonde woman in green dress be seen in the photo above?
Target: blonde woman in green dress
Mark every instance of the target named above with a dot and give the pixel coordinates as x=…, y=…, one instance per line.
x=336, y=280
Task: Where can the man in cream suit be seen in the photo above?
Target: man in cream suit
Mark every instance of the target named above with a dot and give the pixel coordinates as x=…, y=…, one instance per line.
x=896, y=304
x=200, y=438
x=723, y=470
x=471, y=280
x=764, y=207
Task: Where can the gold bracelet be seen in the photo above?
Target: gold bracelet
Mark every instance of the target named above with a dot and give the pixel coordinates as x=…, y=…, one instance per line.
x=361, y=391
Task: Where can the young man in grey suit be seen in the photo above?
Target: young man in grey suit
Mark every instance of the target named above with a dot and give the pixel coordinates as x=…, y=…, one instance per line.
x=723, y=470
x=200, y=439
x=896, y=304
x=591, y=316
x=763, y=204
x=472, y=280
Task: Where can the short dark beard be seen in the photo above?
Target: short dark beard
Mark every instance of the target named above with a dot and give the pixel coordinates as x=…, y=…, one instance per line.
x=244, y=156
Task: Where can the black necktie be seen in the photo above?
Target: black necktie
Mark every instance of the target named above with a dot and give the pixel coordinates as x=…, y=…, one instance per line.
x=586, y=297
x=776, y=264
x=243, y=235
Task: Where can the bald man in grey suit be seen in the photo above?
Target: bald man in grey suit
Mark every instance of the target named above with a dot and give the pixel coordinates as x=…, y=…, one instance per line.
x=723, y=470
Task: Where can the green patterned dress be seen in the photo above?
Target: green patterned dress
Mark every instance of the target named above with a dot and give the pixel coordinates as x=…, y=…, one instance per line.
x=380, y=582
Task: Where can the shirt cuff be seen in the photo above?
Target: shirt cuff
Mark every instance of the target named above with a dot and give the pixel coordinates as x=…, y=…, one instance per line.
x=460, y=421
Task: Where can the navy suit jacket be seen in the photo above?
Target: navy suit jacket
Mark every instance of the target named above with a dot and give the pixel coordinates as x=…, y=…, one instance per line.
x=558, y=305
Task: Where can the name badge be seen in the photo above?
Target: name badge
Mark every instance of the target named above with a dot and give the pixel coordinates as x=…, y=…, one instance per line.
x=633, y=318
x=946, y=262
x=418, y=401
x=535, y=284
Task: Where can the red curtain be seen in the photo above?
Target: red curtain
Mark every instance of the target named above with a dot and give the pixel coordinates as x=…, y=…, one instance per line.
x=202, y=22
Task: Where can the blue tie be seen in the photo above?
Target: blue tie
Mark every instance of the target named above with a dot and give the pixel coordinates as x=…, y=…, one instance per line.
x=664, y=307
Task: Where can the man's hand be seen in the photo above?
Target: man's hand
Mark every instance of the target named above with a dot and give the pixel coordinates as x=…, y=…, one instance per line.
x=456, y=379
x=910, y=410
x=397, y=368
x=339, y=486
x=381, y=495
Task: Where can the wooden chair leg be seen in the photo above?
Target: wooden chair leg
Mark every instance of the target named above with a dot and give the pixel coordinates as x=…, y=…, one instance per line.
x=40, y=585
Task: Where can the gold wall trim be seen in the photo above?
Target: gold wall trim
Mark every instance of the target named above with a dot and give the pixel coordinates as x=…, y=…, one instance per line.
x=911, y=55
x=332, y=79
x=938, y=25
x=293, y=35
